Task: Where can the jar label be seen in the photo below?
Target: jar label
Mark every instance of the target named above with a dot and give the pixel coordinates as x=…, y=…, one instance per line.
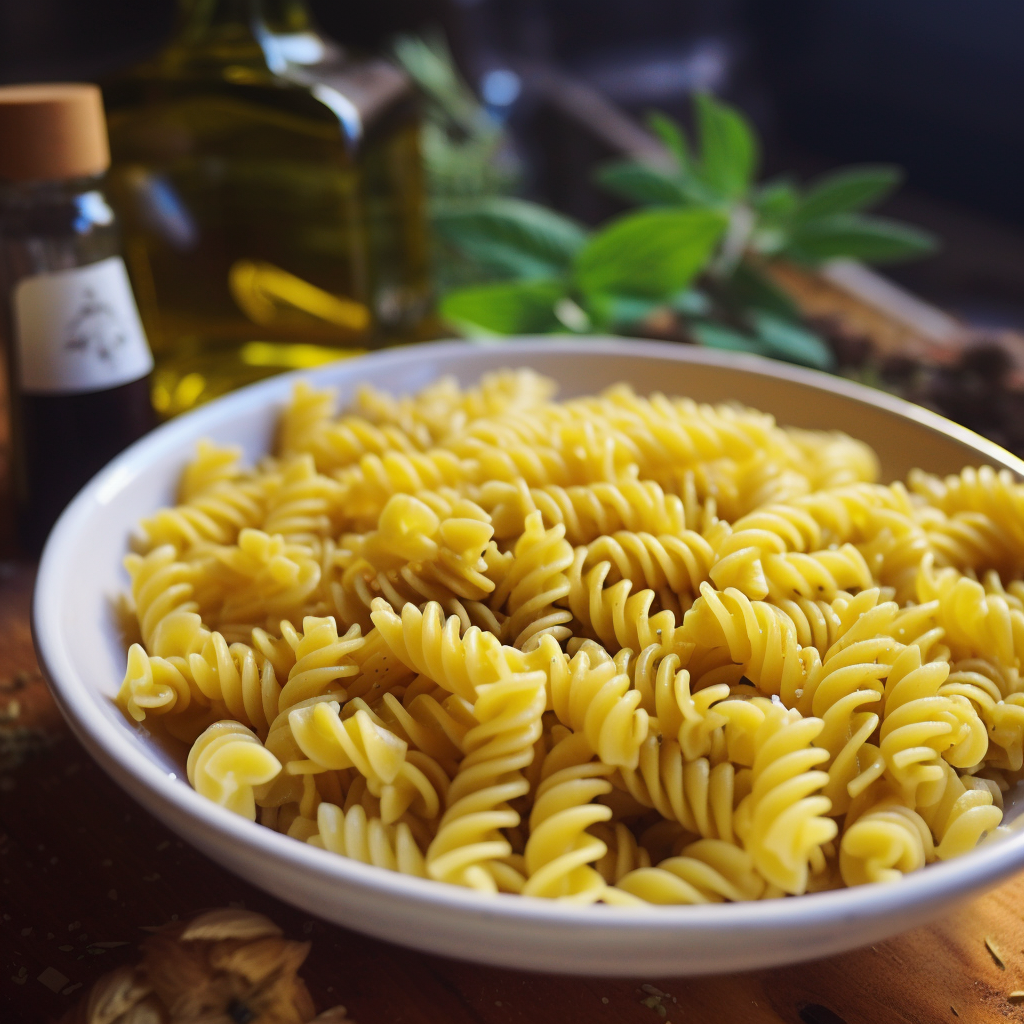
x=79, y=330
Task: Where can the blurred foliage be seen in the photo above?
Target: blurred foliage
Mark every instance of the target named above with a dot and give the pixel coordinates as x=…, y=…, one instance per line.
x=689, y=265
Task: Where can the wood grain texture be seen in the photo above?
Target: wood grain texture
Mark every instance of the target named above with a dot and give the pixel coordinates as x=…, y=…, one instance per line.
x=85, y=872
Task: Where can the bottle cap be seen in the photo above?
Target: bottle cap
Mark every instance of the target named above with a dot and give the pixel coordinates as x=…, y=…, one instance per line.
x=52, y=132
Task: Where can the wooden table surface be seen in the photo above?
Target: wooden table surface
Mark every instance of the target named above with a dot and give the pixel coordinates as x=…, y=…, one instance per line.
x=86, y=873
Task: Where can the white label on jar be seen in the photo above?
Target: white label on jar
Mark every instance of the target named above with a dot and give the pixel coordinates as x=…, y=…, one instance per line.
x=79, y=330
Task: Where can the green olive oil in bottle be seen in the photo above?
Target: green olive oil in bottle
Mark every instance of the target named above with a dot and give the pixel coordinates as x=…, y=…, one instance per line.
x=271, y=196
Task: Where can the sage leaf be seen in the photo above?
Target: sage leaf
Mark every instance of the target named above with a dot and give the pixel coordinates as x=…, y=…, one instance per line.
x=776, y=200
x=651, y=254
x=691, y=302
x=511, y=236
x=672, y=137
x=728, y=148
x=625, y=310
x=786, y=340
x=712, y=335
x=750, y=288
x=507, y=307
x=872, y=239
x=847, y=191
x=502, y=261
x=638, y=183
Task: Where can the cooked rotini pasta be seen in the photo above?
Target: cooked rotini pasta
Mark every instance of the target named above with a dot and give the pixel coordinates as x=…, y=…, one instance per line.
x=620, y=649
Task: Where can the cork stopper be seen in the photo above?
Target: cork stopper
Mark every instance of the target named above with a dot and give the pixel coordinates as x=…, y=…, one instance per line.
x=52, y=132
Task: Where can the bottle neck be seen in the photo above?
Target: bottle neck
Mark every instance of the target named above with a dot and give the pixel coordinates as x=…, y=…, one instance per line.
x=220, y=31
x=287, y=17
x=203, y=19
x=248, y=31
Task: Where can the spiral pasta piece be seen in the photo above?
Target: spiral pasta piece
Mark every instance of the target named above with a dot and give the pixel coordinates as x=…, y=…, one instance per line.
x=209, y=513
x=226, y=762
x=469, y=847
x=447, y=551
x=560, y=850
x=369, y=840
x=321, y=658
x=442, y=409
x=300, y=508
x=392, y=774
x=589, y=511
x=264, y=578
x=309, y=427
x=598, y=702
x=885, y=843
x=614, y=615
x=429, y=643
x=162, y=585
x=211, y=466
x=533, y=583
x=228, y=675
x=152, y=686
x=995, y=494
x=624, y=854
x=976, y=623
x=962, y=815
x=700, y=797
x=757, y=636
x=782, y=822
x=678, y=563
x=921, y=728
x=709, y=871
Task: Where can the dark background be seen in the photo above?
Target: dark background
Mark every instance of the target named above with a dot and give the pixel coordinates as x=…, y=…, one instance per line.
x=934, y=85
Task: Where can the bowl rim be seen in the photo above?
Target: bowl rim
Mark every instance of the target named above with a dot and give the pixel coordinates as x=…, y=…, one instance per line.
x=112, y=748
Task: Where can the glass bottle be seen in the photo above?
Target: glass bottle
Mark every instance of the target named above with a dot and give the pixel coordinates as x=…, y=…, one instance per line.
x=274, y=215
x=78, y=366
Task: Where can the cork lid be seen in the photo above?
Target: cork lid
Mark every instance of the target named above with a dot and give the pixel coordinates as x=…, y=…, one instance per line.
x=52, y=132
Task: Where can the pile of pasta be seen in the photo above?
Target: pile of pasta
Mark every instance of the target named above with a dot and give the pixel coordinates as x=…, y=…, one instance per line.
x=614, y=649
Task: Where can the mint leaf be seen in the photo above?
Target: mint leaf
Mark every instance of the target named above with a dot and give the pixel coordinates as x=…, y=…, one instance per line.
x=511, y=236
x=785, y=340
x=641, y=184
x=776, y=200
x=671, y=136
x=650, y=254
x=847, y=191
x=623, y=310
x=712, y=335
x=728, y=148
x=509, y=307
x=750, y=288
x=872, y=239
x=691, y=302
x=501, y=260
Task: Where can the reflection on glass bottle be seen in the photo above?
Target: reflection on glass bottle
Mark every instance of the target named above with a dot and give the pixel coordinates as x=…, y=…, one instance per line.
x=272, y=199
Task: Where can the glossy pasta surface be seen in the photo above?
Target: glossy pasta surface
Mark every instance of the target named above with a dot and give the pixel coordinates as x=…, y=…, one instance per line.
x=623, y=649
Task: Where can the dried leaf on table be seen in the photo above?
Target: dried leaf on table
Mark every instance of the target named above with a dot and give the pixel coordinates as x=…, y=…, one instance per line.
x=222, y=967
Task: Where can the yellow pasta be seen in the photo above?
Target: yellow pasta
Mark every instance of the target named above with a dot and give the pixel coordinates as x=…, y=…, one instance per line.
x=621, y=649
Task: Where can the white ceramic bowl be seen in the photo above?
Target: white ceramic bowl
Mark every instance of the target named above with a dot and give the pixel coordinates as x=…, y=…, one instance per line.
x=81, y=654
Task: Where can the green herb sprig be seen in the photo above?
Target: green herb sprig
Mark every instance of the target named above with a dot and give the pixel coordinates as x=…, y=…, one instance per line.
x=697, y=252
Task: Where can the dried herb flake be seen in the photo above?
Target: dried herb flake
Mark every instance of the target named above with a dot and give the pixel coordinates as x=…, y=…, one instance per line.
x=996, y=955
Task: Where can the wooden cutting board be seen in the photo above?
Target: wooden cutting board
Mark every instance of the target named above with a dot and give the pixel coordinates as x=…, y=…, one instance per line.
x=86, y=873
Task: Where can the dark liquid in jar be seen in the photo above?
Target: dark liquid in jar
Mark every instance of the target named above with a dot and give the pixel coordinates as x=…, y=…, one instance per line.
x=67, y=439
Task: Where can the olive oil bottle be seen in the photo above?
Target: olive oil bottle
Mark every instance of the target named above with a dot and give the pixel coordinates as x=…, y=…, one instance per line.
x=271, y=195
